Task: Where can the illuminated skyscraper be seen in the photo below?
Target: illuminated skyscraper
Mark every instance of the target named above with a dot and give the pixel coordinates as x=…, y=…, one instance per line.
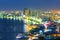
x=26, y=11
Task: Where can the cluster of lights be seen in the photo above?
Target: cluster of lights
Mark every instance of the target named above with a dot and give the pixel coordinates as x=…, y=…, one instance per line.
x=33, y=20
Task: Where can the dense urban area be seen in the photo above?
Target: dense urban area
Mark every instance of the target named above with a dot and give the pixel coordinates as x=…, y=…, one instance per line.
x=29, y=24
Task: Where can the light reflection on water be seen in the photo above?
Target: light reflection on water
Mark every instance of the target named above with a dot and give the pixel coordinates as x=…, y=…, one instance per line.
x=9, y=28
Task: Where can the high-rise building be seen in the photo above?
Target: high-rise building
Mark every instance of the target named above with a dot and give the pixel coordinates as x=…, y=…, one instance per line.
x=26, y=11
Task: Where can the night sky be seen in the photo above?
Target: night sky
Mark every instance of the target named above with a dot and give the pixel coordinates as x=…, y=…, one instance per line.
x=34, y=4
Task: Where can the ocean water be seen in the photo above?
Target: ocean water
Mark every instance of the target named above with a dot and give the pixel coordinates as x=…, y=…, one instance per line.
x=9, y=28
